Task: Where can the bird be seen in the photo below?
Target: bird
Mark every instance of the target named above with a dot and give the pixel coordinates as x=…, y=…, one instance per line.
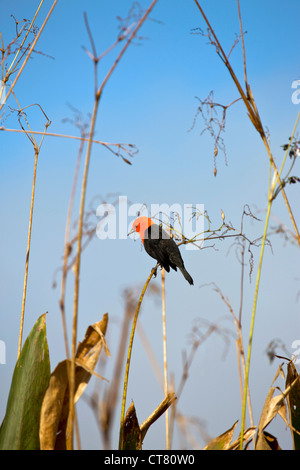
x=160, y=246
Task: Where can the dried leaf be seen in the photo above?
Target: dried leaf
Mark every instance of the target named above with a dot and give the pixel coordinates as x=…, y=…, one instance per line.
x=267, y=442
x=87, y=354
x=223, y=441
x=251, y=99
x=132, y=437
x=254, y=121
x=54, y=412
x=126, y=161
x=293, y=400
x=273, y=405
x=248, y=434
x=55, y=407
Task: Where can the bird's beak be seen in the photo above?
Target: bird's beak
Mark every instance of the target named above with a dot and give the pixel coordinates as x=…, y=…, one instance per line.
x=131, y=231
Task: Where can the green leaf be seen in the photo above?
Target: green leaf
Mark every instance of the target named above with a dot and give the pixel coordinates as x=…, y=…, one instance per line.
x=20, y=427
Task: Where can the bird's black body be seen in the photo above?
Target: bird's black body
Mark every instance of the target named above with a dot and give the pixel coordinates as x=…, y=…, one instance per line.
x=160, y=246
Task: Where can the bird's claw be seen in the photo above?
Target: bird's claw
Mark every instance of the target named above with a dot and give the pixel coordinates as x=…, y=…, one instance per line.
x=154, y=271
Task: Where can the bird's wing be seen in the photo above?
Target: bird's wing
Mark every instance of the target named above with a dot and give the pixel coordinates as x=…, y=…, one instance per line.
x=174, y=254
x=156, y=232
x=154, y=243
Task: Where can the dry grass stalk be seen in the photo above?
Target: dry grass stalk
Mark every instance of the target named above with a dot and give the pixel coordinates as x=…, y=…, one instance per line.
x=254, y=116
x=250, y=104
x=36, y=155
x=24, y=50
x=98, y=94
x=166, y=387
x=153, y=271
x=29, y=52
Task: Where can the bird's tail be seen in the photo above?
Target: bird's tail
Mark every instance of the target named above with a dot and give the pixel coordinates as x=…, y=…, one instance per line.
x=187, y=276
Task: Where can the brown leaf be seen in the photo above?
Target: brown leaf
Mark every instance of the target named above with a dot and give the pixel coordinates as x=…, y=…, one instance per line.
x=54, y=411
x=248, y=434
x=267, y=442
x=132, y=436
x=293, y=401
x=223, y=441
x=273, y=405
x=88, y=353
x=126, y=161
x=55, y=407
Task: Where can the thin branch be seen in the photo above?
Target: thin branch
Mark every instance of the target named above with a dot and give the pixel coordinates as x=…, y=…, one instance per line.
x=162, y=408
x=94, y=57
x=243, y=43
x=11, y=69
x=240, y=349
x=76, y=289
x=29, y=54
x=66, y=136
x=27, y=254
x=36, y=152
x=133, y=34
x=252, y=112
x=129, y=149
x=67, y=246
x=211, y=121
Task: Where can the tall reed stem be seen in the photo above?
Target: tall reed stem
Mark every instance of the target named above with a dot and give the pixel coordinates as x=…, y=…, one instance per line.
x=77, y=272
x=166, y=387
x=129, y=357
x=27, y=253
x=252, y=324
x=276, y=179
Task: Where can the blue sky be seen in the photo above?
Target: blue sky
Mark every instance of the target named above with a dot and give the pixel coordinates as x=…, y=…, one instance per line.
x=150, y=101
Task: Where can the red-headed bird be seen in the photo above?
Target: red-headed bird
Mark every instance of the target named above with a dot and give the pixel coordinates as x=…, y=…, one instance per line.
x=160, y=246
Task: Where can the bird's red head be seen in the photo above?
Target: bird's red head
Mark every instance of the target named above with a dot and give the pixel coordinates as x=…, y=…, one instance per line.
x=140, y=225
